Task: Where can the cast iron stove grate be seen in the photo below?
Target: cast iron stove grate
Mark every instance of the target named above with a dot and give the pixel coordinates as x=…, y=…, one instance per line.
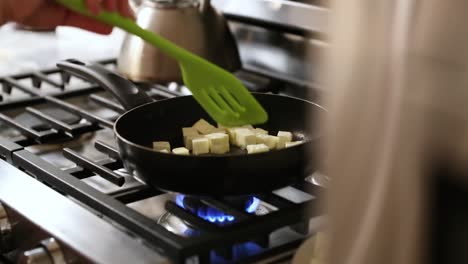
x=54, y=119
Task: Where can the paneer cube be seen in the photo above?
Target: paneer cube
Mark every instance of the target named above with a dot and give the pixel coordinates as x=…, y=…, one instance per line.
x=260, y=138
x=248, y=126
x=219, y=149
x=181, y=151
x=189, y=139
x=232, y=135
x=292, y=144
x=219, y=143
x=219, y=130
x=257, y=148
x=284, y=137
x=200, y=146
x=203, y=127
x=216, y=135
x=270, y=141
x=161, y=145
x=259, y=131
x=189, y=131
x=244, y=137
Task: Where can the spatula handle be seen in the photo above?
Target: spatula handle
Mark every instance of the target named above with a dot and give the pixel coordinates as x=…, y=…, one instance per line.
x=116, y=20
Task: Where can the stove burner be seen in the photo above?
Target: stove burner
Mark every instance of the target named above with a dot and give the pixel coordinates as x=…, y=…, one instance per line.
x=177, y=226
x=213, y=215
x=239, y=251
x=180, y=227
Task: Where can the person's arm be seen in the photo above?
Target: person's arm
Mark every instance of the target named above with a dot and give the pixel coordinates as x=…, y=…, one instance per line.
x=2, y=14
x=49, y=14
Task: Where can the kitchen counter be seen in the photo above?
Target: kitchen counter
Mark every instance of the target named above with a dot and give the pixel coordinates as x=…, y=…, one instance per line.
x=22, y=50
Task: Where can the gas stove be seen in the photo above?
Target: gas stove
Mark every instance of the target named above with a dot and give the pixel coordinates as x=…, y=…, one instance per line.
x=65, y=196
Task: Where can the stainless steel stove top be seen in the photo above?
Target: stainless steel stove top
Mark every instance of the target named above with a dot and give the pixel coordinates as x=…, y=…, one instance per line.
x=60, y=173
x=66, y=141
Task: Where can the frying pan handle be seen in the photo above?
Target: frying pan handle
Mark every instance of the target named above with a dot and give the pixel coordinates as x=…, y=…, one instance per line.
x=128, y=94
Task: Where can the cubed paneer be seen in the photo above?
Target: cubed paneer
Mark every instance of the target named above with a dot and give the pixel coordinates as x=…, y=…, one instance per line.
x=259, y=131
x=181, y=151
x=188, y=140
x=292, y=144
x=284, y=137
x=219, y=130
x=164, y=151
x=232, y=135
x=260, y=138
x=270, y=141
x=257, y=148
x=219, y=143
x=161, y=145
x=248, y=126
x=217, y=135
x=189, y=131
x=203, y=127
x=200, y=146
x=219, y=149
x=244, y=137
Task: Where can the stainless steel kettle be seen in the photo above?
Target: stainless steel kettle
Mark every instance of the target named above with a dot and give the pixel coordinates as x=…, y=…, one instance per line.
x=193, y=25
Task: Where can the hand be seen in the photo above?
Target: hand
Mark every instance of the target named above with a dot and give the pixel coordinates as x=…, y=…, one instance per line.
x=49, y=14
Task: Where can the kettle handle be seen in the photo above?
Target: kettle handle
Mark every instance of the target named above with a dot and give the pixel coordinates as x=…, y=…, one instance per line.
x=204, y=5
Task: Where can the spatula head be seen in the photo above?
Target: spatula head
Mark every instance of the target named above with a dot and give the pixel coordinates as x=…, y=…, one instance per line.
x=221, y=94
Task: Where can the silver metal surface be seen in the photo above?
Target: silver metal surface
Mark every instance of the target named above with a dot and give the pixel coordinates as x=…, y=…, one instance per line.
x=281, y=39
x=175, y=225
x=171, y=3
x=153, y=208
x=106, y=187
x=293, y=195
x=54, y=251
x=72, y=225
x=199, y=29
x=37, y=255
x=306, y=17
x=5, y=230
x=319, y=179
x=280, y=55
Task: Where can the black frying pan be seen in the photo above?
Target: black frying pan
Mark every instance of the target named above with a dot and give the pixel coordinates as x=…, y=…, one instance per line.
x=215, y=175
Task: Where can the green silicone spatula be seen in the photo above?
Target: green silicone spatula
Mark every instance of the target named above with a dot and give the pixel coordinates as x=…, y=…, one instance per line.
x=219, y=92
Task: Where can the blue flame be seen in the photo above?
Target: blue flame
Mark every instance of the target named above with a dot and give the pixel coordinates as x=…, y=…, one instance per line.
x=240, y=251
x=254, y=202
x=214, y=215
x=180, y=200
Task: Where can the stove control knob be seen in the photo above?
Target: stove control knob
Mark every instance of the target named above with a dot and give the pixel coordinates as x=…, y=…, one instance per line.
x=48, y=252
x=5, y=231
